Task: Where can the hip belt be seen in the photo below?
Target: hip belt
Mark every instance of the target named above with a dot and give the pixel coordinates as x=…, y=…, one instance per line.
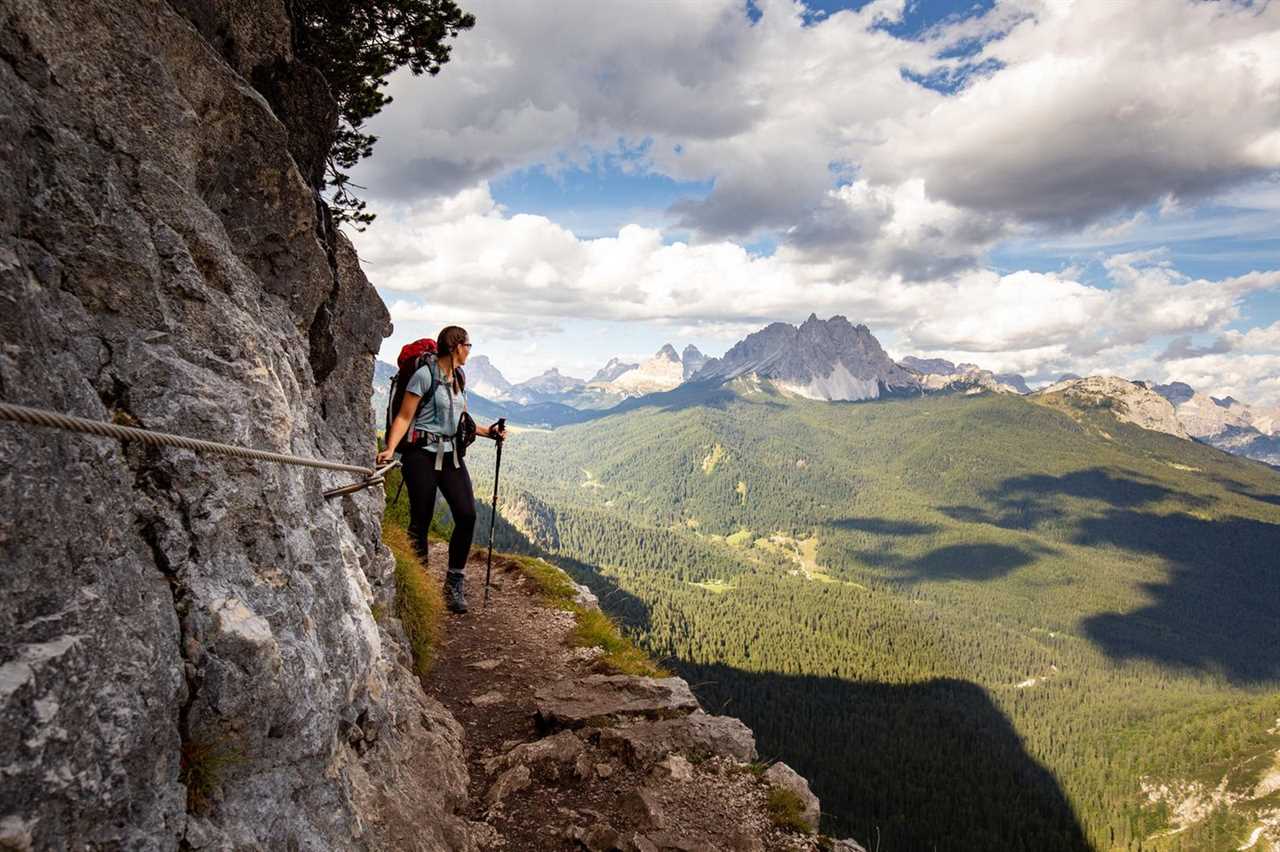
x=417, y=439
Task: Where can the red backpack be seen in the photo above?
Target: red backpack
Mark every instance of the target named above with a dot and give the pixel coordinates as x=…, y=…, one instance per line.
x=413, y=356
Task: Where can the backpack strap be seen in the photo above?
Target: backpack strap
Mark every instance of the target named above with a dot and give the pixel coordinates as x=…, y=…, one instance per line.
x=411, y=436
x=453, y=439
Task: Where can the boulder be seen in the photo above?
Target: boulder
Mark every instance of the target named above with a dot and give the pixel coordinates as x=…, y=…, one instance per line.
x=643, y=808
x=598, y=837
x=674, y=767
x=645, y=741
x=572, y=703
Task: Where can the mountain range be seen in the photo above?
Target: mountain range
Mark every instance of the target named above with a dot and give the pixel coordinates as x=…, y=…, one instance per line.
x=838, y=361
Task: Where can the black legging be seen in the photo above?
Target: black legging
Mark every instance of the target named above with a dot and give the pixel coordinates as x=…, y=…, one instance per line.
x=421, y=479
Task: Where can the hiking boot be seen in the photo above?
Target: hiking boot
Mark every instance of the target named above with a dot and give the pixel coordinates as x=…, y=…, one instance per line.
x=454, y=597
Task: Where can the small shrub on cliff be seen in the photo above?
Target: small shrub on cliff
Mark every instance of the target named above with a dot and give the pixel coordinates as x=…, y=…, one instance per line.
x=356, y=46
x=202, y=766
x=786, y=810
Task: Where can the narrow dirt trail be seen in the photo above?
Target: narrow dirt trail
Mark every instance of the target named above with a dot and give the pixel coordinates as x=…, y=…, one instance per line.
x=563, y=756
x=492, y=660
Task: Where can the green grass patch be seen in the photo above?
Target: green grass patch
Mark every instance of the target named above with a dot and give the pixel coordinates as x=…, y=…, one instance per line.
x=419, y=601
x=786, y=810
x=594, y=629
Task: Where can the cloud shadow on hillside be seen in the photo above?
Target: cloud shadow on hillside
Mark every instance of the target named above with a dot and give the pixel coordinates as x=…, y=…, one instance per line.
x=1271, y=497
x=978, y=562
x=931, y=765
x=1219, y=608
x=1026, y=502
x=1217, y=611
x=883, y=526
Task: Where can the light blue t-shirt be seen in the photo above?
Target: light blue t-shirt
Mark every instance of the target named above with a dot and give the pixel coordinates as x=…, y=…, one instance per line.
x=435, y=418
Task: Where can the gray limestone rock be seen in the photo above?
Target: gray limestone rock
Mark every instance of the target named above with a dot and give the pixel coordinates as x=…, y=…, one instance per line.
x=564, y=747
x=164, y=262
x=646, y=741
x=576, y=702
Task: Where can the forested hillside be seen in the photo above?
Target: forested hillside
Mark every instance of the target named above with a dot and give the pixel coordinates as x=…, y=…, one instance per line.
x=974, y=622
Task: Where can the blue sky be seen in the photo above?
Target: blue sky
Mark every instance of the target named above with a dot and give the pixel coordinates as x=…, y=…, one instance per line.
x=1032, y=185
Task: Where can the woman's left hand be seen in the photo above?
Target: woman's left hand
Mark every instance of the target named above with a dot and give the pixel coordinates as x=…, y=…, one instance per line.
x=496, y=432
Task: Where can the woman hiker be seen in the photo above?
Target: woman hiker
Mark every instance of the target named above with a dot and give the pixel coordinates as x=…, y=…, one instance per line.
x=430, y=461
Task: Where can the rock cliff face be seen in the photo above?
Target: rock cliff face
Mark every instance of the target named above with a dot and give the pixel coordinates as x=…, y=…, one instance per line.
x=188, y=654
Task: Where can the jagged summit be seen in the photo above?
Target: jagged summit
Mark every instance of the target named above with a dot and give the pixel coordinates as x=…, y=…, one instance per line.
x=610, y=371
x=941, y=374
x=1225, y=422
x=820, y=359
x=662, y=372
x=549, y=382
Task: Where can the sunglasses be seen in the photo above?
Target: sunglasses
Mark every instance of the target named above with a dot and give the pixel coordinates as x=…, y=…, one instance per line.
x=466, y=344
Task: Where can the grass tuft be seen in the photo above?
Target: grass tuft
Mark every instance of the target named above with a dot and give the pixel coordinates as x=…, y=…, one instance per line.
x=786, y=810
x=203, y=764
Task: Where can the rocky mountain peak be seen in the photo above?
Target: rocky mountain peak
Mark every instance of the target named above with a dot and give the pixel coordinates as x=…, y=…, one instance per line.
x=941, y=374
x=1130, y=402
x=661, y=372
x=486, y=379
x=1175, y=392
x=692, y=361
x=820, y=359
x=610, y=371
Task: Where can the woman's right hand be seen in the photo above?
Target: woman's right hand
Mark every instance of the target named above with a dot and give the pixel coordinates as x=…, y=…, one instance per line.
x=386, y=456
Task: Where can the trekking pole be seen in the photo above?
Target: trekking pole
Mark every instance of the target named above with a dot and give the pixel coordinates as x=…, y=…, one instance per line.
x=493, y=509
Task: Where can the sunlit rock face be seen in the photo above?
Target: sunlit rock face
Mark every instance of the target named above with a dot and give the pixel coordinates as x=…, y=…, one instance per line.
x=663, y=371
x=821, y=359
x=1228, y=424
x=485, y=379
x=189, y=655
x=941, y=374
x=1130, y=402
